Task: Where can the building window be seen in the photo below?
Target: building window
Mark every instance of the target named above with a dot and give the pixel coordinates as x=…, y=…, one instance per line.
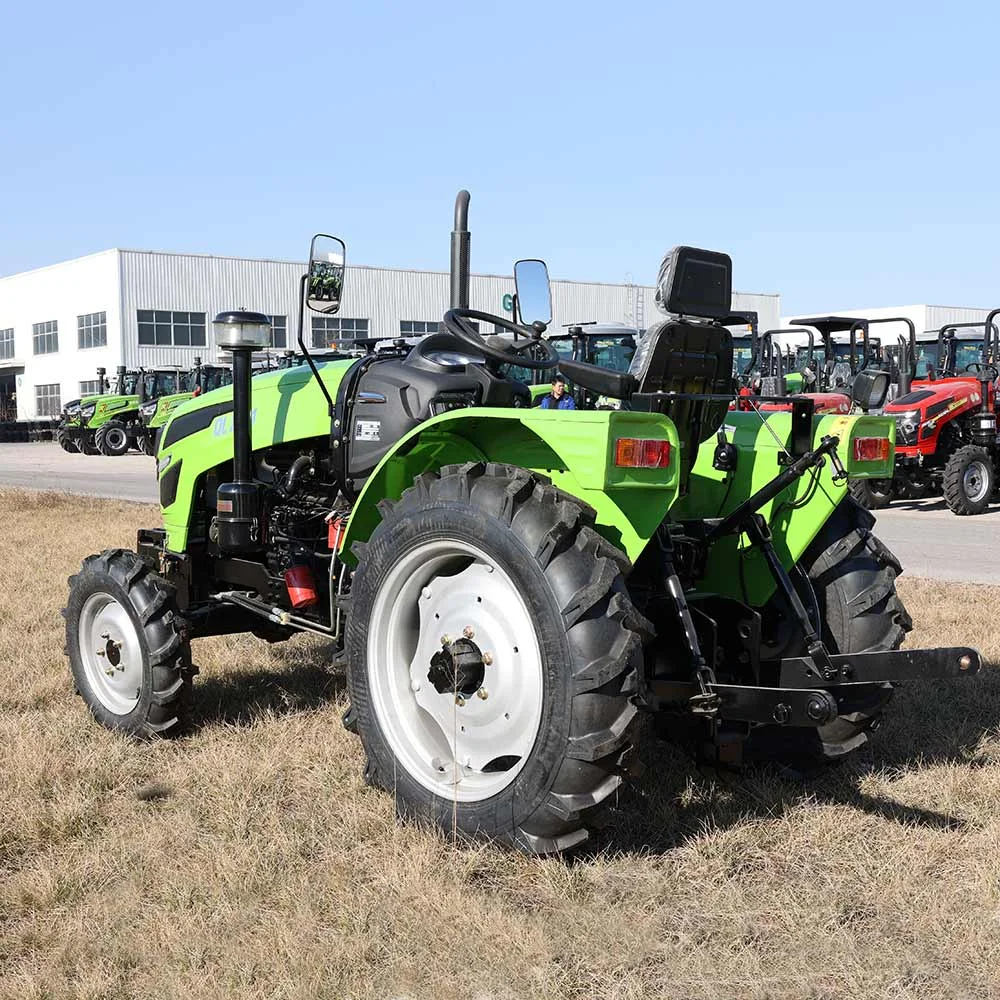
x=45, y=337
x=416, y=327
x=91, y=388
x=47, y=402
x=330, y=330
x=279, y=331
x=7, y=343
x=92, y=330
x=163, y=328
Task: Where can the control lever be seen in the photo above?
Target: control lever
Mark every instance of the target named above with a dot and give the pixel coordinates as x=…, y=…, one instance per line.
x=839, y=472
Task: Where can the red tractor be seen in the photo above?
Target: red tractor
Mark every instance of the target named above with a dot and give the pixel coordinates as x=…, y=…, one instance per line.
x=946, y=431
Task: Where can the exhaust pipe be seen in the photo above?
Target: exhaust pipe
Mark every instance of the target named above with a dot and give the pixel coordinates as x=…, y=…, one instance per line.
x=460, y=240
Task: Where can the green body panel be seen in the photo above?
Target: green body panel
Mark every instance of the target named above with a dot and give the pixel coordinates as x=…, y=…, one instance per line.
x=574, y=448
x=537, y=391
x=165, y=409
x=286, y=406
x=794, y=382
x=735, y=570
x=107, y=407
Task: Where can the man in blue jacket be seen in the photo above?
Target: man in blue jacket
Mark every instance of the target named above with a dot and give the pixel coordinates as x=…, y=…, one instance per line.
x=558, y=398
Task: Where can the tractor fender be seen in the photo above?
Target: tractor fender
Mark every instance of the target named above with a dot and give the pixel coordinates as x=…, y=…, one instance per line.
x=574, y=449
x=797, y=515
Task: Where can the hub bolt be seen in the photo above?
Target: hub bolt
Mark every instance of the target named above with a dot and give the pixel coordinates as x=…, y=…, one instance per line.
x=482, y=694
x=446, y=640
x=459, y=700
x=487, y=658
x=469, y=632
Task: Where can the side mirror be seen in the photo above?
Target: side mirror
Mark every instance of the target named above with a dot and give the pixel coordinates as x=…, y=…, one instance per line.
x=534, y=299
x=327, y=255
x=870, y=389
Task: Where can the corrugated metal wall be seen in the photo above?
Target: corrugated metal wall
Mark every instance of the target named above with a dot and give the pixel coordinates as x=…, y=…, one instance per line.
x=383, y=296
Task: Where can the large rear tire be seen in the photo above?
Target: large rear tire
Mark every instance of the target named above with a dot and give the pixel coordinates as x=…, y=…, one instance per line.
x=872, y=494
x=130, y=663
x=853, y=577
x=112, y=438
x=969, y=480
x=492, y=655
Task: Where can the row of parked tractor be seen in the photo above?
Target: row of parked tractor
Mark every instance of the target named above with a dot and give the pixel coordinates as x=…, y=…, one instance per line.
x=940, y=388
x=126, y=413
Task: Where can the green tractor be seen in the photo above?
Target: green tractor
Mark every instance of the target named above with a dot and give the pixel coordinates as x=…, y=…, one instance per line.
x=511, y=588
x=110, y=407
x=157, y=410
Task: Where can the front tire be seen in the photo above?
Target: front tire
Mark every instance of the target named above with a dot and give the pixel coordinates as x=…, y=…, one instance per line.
x=969, y=480
x=66, y=442
x=492, y=655
x=112, y=439
x=129, y=661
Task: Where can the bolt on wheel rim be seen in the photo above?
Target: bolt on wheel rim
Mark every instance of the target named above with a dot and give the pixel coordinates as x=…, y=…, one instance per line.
x=464, y=745
x=111, y=653
x=975, y=481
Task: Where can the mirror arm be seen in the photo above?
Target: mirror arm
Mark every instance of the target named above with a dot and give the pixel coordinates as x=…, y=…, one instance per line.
x=303, y=294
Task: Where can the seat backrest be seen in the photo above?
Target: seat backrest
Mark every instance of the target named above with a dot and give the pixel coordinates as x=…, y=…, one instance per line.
x=691, y=360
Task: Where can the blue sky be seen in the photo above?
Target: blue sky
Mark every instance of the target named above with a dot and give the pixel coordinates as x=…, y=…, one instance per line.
x=845, y=154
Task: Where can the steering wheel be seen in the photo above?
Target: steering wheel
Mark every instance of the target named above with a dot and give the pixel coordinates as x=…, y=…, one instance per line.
x=455, y=323
x=988, y=369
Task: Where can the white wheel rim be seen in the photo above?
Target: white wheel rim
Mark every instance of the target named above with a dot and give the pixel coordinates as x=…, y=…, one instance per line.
x=975, y=481
x=470, y=747
x=111, y=653
x=115, y=438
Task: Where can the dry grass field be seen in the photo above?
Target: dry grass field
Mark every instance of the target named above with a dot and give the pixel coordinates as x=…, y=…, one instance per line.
x=248, y=859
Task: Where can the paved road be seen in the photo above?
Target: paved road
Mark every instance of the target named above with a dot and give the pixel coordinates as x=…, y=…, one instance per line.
x=45, y=466
x=928, y=539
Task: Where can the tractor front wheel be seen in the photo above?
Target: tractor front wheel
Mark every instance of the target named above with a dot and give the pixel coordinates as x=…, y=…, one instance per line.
x=112, y=438
x=969, y=480
x=129, y=660
x=66, y=442
x=492, y=655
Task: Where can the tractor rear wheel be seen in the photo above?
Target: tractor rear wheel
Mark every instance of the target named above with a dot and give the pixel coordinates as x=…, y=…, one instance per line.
x=969, y=479
x=129, y=660
x=112, y=438
x=853, y=577
x=492, y=655
x=872, y=494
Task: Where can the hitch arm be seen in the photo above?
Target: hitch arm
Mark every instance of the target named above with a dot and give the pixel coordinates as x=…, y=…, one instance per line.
x=893, y=665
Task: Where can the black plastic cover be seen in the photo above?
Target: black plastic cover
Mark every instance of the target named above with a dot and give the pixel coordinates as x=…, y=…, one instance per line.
x=695, y=282
x=604, y=381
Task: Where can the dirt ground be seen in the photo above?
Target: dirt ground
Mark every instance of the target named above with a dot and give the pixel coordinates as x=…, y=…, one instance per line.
x=248, y=859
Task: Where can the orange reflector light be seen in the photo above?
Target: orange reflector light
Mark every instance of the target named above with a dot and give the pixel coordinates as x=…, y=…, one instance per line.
x=641, y=453
x=871, y=449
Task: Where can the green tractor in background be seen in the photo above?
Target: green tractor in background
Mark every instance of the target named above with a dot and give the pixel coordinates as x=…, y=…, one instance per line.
x=509, y=587
x=81, y=419
x=157, y=410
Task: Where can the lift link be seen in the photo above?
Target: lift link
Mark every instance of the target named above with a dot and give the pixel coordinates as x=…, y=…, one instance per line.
x=706, y=702
x=759, y=533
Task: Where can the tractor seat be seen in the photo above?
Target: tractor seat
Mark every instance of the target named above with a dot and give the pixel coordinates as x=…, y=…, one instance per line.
x=688, y=360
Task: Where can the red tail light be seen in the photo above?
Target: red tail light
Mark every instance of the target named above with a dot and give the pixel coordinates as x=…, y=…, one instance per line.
x=872, y=449
x=642, y=453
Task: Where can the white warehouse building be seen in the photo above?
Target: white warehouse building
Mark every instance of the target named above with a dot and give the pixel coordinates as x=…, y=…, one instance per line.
x=147, y=309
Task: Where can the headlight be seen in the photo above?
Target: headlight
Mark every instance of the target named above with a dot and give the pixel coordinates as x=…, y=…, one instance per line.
x=148, y=409
x=909, y=421
x=72, y=411
x=88, y=411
